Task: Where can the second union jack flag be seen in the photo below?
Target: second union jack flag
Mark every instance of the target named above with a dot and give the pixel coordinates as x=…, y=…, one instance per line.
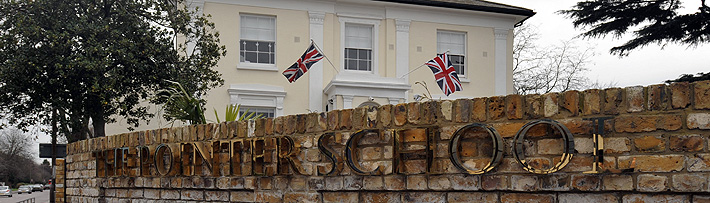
x=304, y=63
x=445, y=74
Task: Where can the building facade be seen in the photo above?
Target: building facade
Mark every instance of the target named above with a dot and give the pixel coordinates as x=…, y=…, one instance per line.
x=375, y=51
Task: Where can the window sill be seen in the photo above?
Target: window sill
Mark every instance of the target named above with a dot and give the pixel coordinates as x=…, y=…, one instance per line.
x=262, y=67
x=358, y=72
x=466, y=80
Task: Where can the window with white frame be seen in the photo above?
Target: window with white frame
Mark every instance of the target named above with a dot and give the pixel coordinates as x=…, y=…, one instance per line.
x=257, y=97
x=455, y=44
x=358, y=47
x=265, y=112
x=258, y=39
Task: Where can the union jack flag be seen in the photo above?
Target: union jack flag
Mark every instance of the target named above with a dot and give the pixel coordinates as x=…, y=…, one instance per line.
x=445, y=74
x=304, y=63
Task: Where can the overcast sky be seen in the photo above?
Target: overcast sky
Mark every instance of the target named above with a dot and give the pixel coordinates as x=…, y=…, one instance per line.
x=648, y=65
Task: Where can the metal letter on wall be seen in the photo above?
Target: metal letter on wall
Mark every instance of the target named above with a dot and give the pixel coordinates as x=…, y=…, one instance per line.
x=110, y=162
x=400, y=153
x=598, y=137
x=349, y=154
x=202, y=157
x=288, y=157
x=567, y=154
x=329, y=153
x=238, y=147
x=124, y=161
x=143, y=153
x=455, y=144
x=163, y=166
x=220, y=157
x=100, y=163
x=257, y=157
x=186, y=155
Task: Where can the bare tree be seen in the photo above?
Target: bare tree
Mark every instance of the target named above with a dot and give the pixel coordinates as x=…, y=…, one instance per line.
x=15, y=143
x=16, y=157
x=541, y=69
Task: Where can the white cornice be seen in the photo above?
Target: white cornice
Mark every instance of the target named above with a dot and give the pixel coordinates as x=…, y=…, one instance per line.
x=381, y=10
x=316, y=17
x=402, y=25
x=367, y=86
x=501, y=33
x=256, y=89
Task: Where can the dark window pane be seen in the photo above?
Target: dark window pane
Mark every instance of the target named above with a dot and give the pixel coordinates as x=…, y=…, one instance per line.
x=256, y=51
x=264, y=47
x=263, y=58
x=363, y=65
x=459, y=69
x=364, y=54
x=351, y=53
x=358, y=59
x=250, y=57
x=459, y=63
x=250, y=46
x=456, y=59
x=351, y=65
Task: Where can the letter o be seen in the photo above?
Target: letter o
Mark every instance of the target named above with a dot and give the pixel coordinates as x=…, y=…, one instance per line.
x=566, y=154
x=497, y=151
x=159, y=159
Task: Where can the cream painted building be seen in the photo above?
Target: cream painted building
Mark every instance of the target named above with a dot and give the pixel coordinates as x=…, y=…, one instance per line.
x=373, y=50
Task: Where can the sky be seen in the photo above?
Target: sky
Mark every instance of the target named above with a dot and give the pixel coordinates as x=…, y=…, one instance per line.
x=649, y=65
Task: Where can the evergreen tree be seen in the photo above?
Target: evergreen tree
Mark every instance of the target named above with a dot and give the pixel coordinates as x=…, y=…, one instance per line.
x=648, y=21
x=655, y=21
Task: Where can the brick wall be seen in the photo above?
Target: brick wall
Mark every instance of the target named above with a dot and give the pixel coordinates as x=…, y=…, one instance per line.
x=59, y=181
x=659, y=134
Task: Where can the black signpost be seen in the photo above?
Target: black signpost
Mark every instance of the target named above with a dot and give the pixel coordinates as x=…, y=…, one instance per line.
x=45, y=150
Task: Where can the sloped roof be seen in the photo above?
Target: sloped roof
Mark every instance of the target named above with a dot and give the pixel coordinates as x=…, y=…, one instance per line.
x=474, y=5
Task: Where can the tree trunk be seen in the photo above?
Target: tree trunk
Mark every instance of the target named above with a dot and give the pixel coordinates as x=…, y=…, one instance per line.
x=99, y=122
x=99, y=126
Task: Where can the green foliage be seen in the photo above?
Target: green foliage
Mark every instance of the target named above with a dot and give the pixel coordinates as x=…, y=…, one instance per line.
x=691, y=78
x=98, y=60
x=231, y=113
x=181, y=105
x=655, y=21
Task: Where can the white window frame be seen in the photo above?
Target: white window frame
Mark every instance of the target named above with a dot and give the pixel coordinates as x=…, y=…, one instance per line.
x=362, y=20
x=465, y=47
x=258, y=95
x=357, y=49
x=258, y=66
x=255, y=109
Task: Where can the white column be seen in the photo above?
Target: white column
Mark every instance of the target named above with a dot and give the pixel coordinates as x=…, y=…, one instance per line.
x=279, y=106
x=402, y=50
x=394, y=101
x=315, y=82
x=501, y=61
x=347, y=101
x=332, y=103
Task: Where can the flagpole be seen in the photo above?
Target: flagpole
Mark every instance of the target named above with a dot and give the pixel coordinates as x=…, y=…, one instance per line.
x=326, y=57
x=447, y=51
x=420, y=66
